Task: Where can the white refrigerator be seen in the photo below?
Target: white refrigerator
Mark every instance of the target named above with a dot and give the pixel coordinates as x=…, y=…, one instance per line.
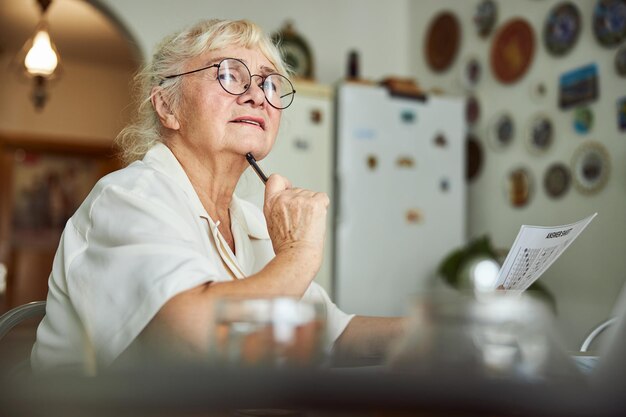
x=400, y=195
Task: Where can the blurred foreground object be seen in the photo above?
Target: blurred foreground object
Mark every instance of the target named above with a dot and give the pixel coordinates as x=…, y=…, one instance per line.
x=267, y=332
x=498, y=334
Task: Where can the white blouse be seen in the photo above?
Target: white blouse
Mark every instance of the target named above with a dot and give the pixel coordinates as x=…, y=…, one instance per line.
x=141, y=237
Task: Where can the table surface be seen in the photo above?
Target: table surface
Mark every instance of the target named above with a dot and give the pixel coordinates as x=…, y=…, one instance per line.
x=196, y=389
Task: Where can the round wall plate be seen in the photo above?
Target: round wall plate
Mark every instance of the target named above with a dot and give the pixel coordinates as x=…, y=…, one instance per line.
x=540, y=134
x=561, y=29
x=609, y=22
x=538, y=91
x=471, y=72
x=475, y=157
x=590, y=167
x=501, y=131
x=442, y=41
x=621, y=114
x=512, y=50
x=295, y=51
x=557, y=180
x=485, y=17
x=519, y=186
x=472, y=110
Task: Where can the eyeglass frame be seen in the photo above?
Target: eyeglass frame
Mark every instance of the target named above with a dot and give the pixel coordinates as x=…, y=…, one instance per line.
x=263, y=78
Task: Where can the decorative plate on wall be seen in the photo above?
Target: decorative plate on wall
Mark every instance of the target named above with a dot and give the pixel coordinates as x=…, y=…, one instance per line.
x=512, y=50
x=472, y=110
x=562, y=28
x=471, y=72
x=591, y=167
x=609, y=22
x=475, y=156
x=442, y=41
x=540, y=134
x=295, y=51
x=501, y=131
x=557, y=180
x=538, y=91
x=621, y=114
x=519, y=187
x=485, y=17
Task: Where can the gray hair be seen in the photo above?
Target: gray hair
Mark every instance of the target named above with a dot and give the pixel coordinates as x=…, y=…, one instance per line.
x=170, y=57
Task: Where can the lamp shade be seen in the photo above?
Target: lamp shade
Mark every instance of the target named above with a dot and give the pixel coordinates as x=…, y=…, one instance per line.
x=41, y=58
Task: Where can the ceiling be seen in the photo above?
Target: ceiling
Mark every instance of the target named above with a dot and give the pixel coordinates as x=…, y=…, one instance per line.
x=79, y=30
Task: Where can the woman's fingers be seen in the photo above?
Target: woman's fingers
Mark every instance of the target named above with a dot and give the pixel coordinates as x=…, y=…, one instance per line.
x=296, y=217
x=276, y=183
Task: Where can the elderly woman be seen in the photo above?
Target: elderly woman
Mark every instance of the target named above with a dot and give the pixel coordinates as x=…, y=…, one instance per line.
x=153, y=245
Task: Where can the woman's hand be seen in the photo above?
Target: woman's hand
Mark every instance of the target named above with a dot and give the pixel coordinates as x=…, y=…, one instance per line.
x=296, y=218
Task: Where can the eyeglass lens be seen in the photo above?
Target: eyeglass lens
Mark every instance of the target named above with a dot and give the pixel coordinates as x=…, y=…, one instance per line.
x=234, y=77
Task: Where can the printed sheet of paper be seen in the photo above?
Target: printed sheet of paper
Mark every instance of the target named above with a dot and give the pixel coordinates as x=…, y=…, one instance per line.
x=534, y=250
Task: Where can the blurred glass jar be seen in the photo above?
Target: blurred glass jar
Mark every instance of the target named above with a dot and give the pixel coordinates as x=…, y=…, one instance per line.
x=267, y=332
x=496, y=334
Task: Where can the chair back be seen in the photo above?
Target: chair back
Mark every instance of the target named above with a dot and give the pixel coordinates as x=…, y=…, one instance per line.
x=11, y=319
x=593, y=334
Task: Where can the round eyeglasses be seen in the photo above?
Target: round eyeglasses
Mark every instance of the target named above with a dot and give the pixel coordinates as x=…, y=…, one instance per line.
x=235, y=78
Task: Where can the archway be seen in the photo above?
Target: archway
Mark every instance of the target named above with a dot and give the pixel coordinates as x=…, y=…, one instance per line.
x=50, y=158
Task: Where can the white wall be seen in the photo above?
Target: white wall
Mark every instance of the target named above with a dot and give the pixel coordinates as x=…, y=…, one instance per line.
x=87, y=103
x=332, y=27
x=390, y=37
x=587, y=278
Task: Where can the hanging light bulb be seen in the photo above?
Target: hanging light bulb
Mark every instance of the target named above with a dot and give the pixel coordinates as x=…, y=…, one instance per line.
x=42, y=58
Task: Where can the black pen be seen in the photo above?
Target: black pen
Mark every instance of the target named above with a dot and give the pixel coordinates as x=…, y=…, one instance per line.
x=256, y=167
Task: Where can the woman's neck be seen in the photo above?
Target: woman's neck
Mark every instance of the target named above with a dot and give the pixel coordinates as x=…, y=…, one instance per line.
x=213, y=178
